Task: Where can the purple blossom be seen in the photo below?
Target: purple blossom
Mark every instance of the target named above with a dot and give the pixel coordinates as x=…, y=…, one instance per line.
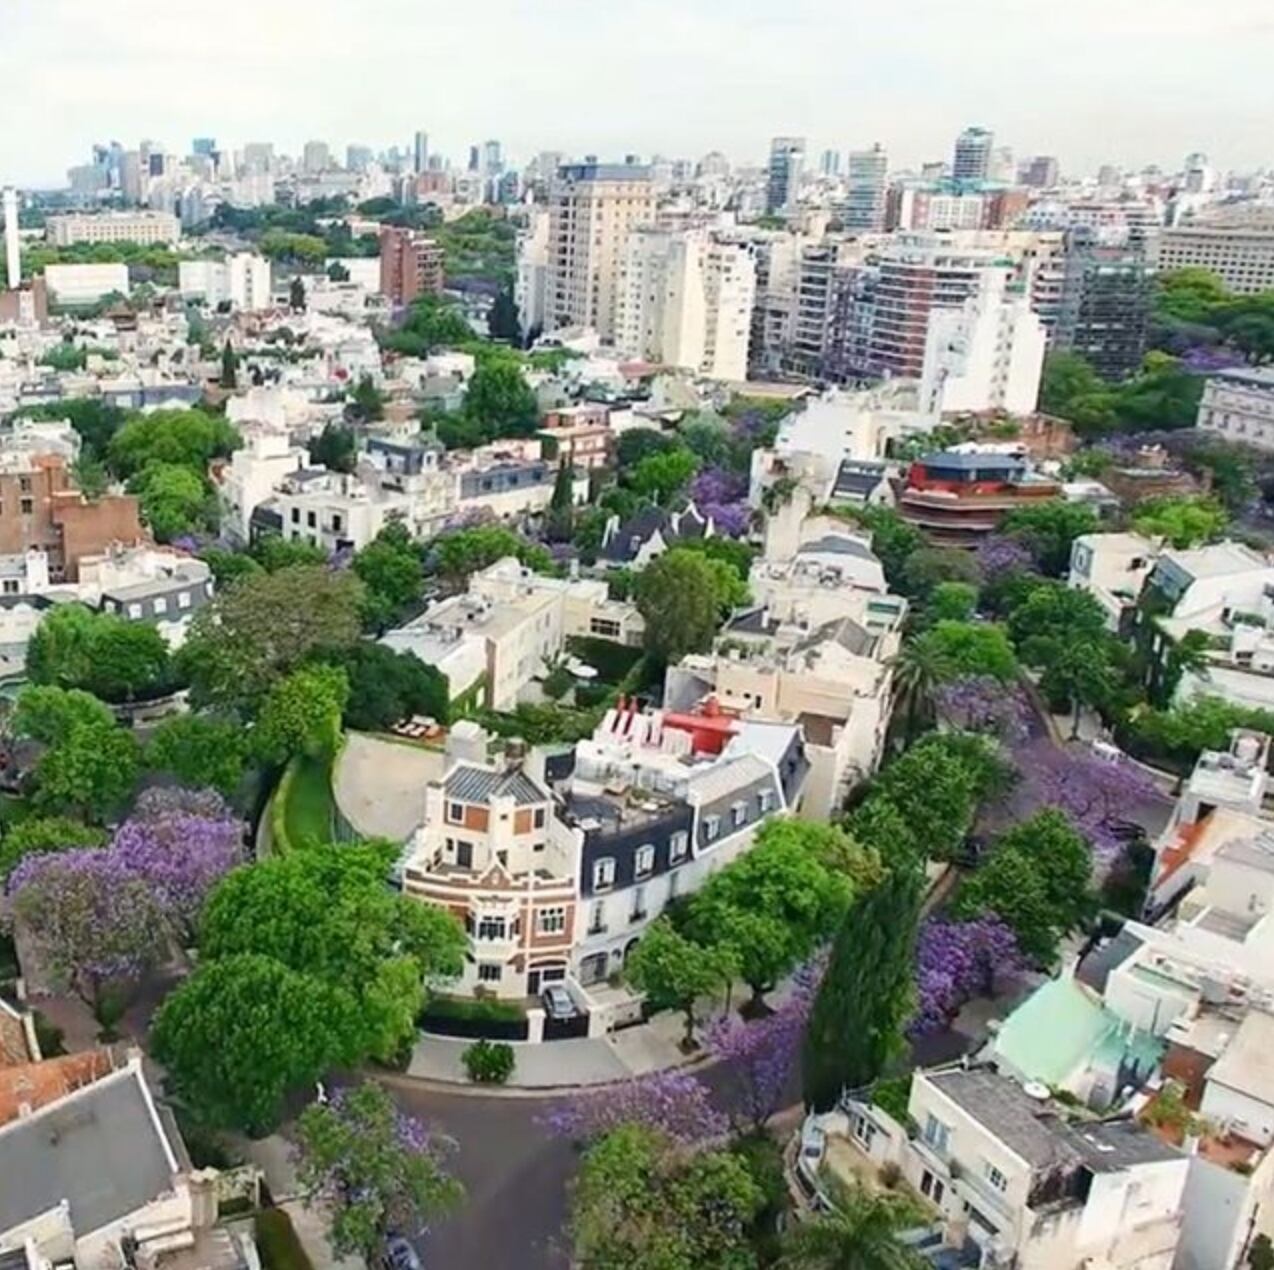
x=718, y=485
x=730, y=520
x=671, y=1101
x=1203, y=359
x=1000, y=554
x=761, y=1056
x=181, y=858
x=982, y=703
x=956, y=961
x=89, y=915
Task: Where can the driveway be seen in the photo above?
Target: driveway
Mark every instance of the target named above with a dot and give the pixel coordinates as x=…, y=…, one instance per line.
x=379, y=785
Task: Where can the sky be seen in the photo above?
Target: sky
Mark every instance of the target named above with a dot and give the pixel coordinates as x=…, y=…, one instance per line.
x=1129, y=82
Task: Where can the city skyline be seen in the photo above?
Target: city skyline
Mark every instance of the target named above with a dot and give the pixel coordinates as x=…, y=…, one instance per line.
x=1086, y=84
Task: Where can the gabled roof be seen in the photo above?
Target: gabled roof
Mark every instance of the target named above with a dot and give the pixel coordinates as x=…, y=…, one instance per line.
x=479, y=785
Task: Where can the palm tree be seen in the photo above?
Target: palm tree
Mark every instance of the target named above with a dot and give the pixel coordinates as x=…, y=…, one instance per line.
x=919, y=668
x=860, y=1233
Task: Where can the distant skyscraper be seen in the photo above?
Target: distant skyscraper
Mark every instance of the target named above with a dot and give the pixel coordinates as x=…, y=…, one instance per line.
x=1042, y=172
x=1108, y=175
x=420, y=151
x=12, y=258
x=865, y=203
x=358, y=158
x=207, y=146
x=258, y=156
x=492, y=163
x=475, y=159
x=972, y=160
x=787, y=158
x=316, y=157
x=829, y=163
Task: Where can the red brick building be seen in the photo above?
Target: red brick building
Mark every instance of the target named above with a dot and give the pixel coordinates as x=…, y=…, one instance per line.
x=411, y=265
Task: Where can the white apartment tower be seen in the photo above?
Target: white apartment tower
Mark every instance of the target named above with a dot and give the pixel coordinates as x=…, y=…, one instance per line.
x=986, y=355
x=12, y=256
x=864, y=209
x=593, y=207
x=787, y=160
x=972, y=159
x=242, y=280
x=531, y=280
x=685, y=299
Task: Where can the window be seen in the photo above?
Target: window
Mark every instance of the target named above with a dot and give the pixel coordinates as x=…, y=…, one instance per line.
x=996, y=1178
x=604, y=627
x=24, y=484
x=936, y=1134
x=311, y=519
x=678, y=845
x=336, y=522
x=134, y=610
x=296, y=515
x=492, y=928
x=765, y=799
x=597, y=918
x=639, y=904
x=464, y=855
x=183, y=600
x=864, y=1130
x=645, y=862
x=489, y=971
x=738, y=813
x=711, y=827
x=551, y=921
x=10, y=586
x=27, y=506
x=455, y=813
x=537, y=817
x=161, y=604
x=604, y=874
x=502, y=859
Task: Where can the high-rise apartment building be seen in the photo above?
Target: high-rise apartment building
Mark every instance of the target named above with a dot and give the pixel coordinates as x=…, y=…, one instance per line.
x=593, y=207
x=411, y=265
x=1105, y=305
x=258, y=156
x=829, y=163
x=985, y=356
x=531, y=279
x=358, y=158
x=1243, y=258
x=492, y=158
x=685, y=299
x=241, y=280
x=131, y=179
x=207, y=146
x=12, y=255
x=864, y=209
x=316, y=157
x=420, y=151
x=1042, y=172
x=971, y=162
x=787, y=160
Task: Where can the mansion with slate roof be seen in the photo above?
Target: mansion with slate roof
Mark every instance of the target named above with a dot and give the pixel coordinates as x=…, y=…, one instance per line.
x=555, y=863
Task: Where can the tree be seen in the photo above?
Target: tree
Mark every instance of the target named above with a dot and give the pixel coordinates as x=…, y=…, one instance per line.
x=335, y=448
x=1055, y=611
x=641, y=1203
x=859, y=1233
x=559, y=523
x=301, y=714
x=130, y=660
x=952, y=601
x=1181, y=732
x=1061, y=858
x=1260, y=1256
x=386, y=687
x=246, y=1030
x=865, y=999
x=956, y=961
x=376, y=1171
x=673, y=1103
x=229, y=367
x=773, y=906
x=184, y=438
x=367, y=402
x=390, y=569
x=938, y=792
x=673, y=971
x=663, y=476
x=199, y=751
x=926, y=567
x=259, y=630
x=457, y=554
x=1011, y=887
x=274, y=552
x=1184, y=522
x=296, y=295
x=500, y=400
x=228, y=566
x=1048, y=530
x=93, y=920
x=502, y=321
x=919, y=667
x=175, y=500
x=971, y=648
x=1081, y=672
x=38, y=835
x=90, y=765
x=982, y=703
x=326, y=911
x=1189, y=295
x=679, y=596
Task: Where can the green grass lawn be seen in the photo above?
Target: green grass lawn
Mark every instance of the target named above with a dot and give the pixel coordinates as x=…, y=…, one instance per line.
x=307, y=813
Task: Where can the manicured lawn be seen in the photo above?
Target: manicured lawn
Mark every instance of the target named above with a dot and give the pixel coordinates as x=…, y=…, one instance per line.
x=307, y=812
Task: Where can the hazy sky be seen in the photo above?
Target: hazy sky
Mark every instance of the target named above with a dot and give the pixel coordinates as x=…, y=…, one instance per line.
x=1125, y=81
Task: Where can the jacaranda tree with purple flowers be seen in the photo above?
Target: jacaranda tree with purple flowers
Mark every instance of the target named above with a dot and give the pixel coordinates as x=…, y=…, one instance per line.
x=674, y=1102
x=983, y=703
x=956, y=961
x=376, y=1171
x=91, y=918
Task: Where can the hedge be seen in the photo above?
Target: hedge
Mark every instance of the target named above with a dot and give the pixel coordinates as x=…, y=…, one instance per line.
x=277, y=1242
x=612, y=661
x=487, y=1018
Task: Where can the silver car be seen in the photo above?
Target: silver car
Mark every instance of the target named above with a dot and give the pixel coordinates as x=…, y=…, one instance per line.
x=558, y=1003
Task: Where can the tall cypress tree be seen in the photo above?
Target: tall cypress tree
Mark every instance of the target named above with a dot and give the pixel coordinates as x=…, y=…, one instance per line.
x=866, y=997
x=561, y=514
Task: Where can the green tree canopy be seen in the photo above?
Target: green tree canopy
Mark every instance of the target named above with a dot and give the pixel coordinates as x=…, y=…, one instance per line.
x=201, y=752
x=642, y=1203
x=859, y=1233
x=326, y=911
x=1048, y=530
x=274, y=552
x=927, y=567
x=105, y=655
x=971, y=648
x=39, y=834
x=635, y=444
x=390, y=569
x=184, y=438
x=386, y=687
x=952, y=602
x=681, y=597
x=663, y=476
x=1052, y=610
x=175, y=500
x=673, y=971
x=500, y=400
x=866, y=996
x=1184, y=522
x=335, y=448
x=263, y=627
x=244, y=1031
x=457, y=554
x=302, y=713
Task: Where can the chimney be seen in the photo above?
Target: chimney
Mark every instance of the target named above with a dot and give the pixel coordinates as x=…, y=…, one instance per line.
x=514, y=754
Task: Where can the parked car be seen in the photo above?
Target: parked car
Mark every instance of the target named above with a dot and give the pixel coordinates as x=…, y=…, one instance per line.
x=400, y=1255
x=558, y=1003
